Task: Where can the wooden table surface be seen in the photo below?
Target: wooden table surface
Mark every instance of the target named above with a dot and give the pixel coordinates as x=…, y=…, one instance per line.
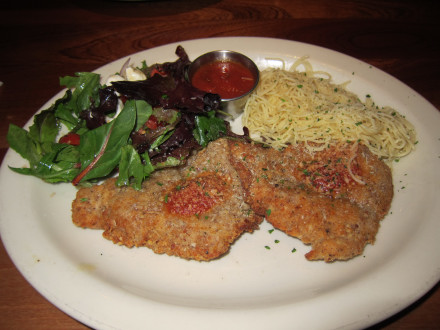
x=43, y=40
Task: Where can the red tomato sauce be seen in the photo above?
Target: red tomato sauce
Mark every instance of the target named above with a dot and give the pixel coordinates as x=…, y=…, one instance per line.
x=227, y=78
x=329, y=172
x=197, y=195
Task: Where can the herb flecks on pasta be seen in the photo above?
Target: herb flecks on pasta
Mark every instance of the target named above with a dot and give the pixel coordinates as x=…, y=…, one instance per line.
x=292, y=106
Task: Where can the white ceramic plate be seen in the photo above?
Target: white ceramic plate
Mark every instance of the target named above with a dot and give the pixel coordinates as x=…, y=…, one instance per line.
x=112, y=287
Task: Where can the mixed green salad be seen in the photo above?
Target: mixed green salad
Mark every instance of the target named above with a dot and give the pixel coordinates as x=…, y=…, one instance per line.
x=128, y=128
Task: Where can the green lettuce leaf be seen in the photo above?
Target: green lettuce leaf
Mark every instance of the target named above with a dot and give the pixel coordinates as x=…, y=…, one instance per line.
x=86, y=87
x=208, y=128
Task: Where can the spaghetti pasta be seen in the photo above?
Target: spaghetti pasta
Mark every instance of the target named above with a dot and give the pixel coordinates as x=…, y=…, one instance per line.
x=292, y=106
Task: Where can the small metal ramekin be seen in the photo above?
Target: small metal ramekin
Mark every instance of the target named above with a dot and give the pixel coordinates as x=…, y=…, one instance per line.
x=232, y=107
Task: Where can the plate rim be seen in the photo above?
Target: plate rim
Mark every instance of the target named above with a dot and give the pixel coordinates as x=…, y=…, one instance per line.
x=74, y=312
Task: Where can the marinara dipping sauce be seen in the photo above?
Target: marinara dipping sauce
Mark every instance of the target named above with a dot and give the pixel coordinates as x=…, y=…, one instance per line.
x=229, y=74
x=228, y=78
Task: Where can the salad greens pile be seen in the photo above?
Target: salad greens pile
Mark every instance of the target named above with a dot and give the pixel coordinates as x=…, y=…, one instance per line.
x=131, y=128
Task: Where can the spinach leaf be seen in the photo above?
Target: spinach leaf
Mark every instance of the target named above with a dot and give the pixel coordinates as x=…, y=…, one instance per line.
x=64, y=113
x=130, y=167
x=208, y=128
x=58, y=165
x=20, y=141
x=148, y=166
x=44, y=130
x=143, y=112
x=112, y=136
x=86, y=91
x=48, y=160
x=162, y=138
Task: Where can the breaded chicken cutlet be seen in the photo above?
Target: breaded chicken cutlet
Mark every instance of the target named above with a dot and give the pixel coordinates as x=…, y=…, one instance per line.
x=332, y=199
x=194, y=212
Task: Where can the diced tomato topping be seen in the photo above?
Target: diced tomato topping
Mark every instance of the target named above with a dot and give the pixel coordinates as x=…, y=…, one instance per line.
x=152, y=123
x=198, y=195
x=70, y=138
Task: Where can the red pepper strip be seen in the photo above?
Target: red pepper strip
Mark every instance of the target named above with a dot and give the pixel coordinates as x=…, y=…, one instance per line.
x=158, y=71
x=83, y=173
x=152, y=123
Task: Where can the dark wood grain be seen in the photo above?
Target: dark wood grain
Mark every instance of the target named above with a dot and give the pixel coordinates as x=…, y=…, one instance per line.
x=41, y=41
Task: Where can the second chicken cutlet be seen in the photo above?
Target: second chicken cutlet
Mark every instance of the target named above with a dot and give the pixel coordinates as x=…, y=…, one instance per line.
x=195, y=212
x=332, y=199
